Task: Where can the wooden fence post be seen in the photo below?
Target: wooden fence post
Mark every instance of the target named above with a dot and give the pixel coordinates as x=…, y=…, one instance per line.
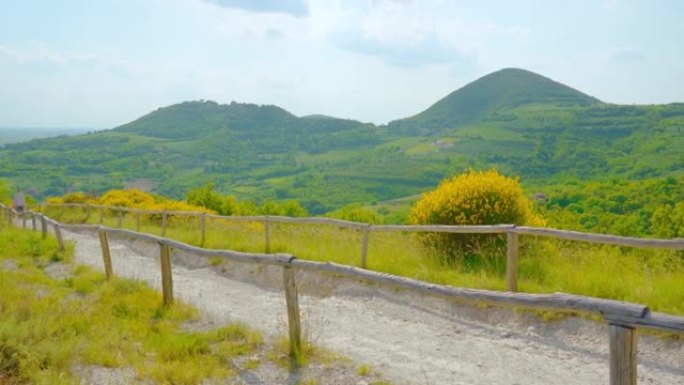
x=33, y=221
x=623, y=360
x=43, y=226
x=60, y=240
x=119, y=217
x=203, y=228
x=292, y=312
x=165, y=222
x=101, y=215
x=23, y=219
x=267, y=236
x=512, y=262
x=364, y=245
x=167, y=281
x=137, y=220
x=106, y=256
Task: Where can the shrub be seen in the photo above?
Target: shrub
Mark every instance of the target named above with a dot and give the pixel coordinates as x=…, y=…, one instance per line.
x=132, y=198
x=356, y=213
x=472, y=198
x=288, y=208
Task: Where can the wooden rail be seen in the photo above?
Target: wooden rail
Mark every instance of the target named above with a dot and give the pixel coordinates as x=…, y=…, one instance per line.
x=623, y=319
x=512, y=232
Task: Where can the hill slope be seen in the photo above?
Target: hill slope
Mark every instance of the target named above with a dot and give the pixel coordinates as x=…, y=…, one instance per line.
x=515, y=120
x=498, y=91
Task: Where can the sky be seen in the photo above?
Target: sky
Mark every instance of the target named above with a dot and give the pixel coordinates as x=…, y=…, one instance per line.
x=100, y=64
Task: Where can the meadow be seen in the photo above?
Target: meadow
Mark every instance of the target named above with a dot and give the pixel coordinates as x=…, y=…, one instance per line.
x=647, y=276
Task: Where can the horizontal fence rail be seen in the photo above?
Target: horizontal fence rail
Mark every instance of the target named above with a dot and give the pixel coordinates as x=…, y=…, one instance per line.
x=674, y=244
x=622, y=318
x=512, y=232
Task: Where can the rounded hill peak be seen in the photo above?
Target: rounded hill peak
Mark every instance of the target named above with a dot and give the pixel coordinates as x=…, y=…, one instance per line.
x=501, y=90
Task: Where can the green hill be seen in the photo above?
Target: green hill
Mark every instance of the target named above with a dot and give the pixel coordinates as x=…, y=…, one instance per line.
x=486, y=97
x=522, y=123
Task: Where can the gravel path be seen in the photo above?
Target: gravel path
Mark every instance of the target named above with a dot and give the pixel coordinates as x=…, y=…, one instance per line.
x=411, y=339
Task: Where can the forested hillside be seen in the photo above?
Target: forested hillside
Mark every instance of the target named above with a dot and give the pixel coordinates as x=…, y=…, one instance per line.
x=517, y=121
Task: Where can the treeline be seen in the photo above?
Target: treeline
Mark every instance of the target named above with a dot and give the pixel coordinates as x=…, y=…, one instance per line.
x=652, y=207
x=207, y=196
x=207, y=199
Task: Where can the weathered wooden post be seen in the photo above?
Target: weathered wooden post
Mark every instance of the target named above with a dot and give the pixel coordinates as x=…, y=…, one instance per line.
x=106, y=256
x=101, y=215
x=267, y=236
x=203, y=228
x=292, y=312
x=43, y=226
x=137, y=220
x=119, y=217
x=23, y=219
x=165, y=222
x=167, y=281
x=364, y=245
x=623, y=349
x=33, y=221
x=512, y=262
x=60, y=240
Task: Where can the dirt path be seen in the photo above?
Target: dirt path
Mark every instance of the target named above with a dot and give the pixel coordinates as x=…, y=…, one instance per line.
x=410, y=338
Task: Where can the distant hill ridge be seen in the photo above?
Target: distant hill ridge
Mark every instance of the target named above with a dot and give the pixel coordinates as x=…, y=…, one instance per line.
x=515, y=120
x=501, y=90
x=480, y=99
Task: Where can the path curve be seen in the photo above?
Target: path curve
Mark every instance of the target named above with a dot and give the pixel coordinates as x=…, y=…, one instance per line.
x=410, y=338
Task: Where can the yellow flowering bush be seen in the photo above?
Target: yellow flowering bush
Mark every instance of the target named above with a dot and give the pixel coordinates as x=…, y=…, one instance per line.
x=72, y=197
x=472, y=198
x=134, y=199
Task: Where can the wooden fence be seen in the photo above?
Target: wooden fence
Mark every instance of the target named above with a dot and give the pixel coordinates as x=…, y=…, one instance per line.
x=512, y=232
x=622, y=319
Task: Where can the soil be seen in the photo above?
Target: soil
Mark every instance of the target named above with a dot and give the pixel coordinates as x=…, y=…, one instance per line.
x=408, y=338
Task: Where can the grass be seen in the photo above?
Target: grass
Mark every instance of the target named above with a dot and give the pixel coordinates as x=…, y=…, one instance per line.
x=651, y=277
x=49, y=326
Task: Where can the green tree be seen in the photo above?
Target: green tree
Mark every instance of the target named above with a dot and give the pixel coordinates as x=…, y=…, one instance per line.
x=207, y=197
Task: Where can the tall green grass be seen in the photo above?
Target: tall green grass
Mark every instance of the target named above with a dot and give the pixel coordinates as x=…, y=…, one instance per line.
x=651, y=277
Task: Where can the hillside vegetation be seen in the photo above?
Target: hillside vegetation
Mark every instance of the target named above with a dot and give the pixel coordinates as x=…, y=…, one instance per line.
x=520, y=122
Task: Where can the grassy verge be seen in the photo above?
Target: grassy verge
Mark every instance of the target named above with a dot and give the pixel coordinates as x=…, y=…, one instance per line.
x=49, y=327
x=60, y=321
x=651, y=277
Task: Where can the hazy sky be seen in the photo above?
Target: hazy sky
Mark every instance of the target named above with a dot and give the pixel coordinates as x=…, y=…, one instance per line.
x=102, y=63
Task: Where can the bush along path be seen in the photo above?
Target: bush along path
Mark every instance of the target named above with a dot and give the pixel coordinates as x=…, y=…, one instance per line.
x=411, y=339
x=64, y=323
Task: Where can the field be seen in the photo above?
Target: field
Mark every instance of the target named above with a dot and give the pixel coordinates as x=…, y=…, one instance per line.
x=651, y=277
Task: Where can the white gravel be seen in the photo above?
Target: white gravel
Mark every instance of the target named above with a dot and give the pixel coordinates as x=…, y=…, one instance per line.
x=411, y=339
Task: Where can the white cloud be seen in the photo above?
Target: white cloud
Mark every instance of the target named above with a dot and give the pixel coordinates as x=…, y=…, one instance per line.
x=626, y=55
x=406, y=33
x=41, y=52
x=289, y=7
